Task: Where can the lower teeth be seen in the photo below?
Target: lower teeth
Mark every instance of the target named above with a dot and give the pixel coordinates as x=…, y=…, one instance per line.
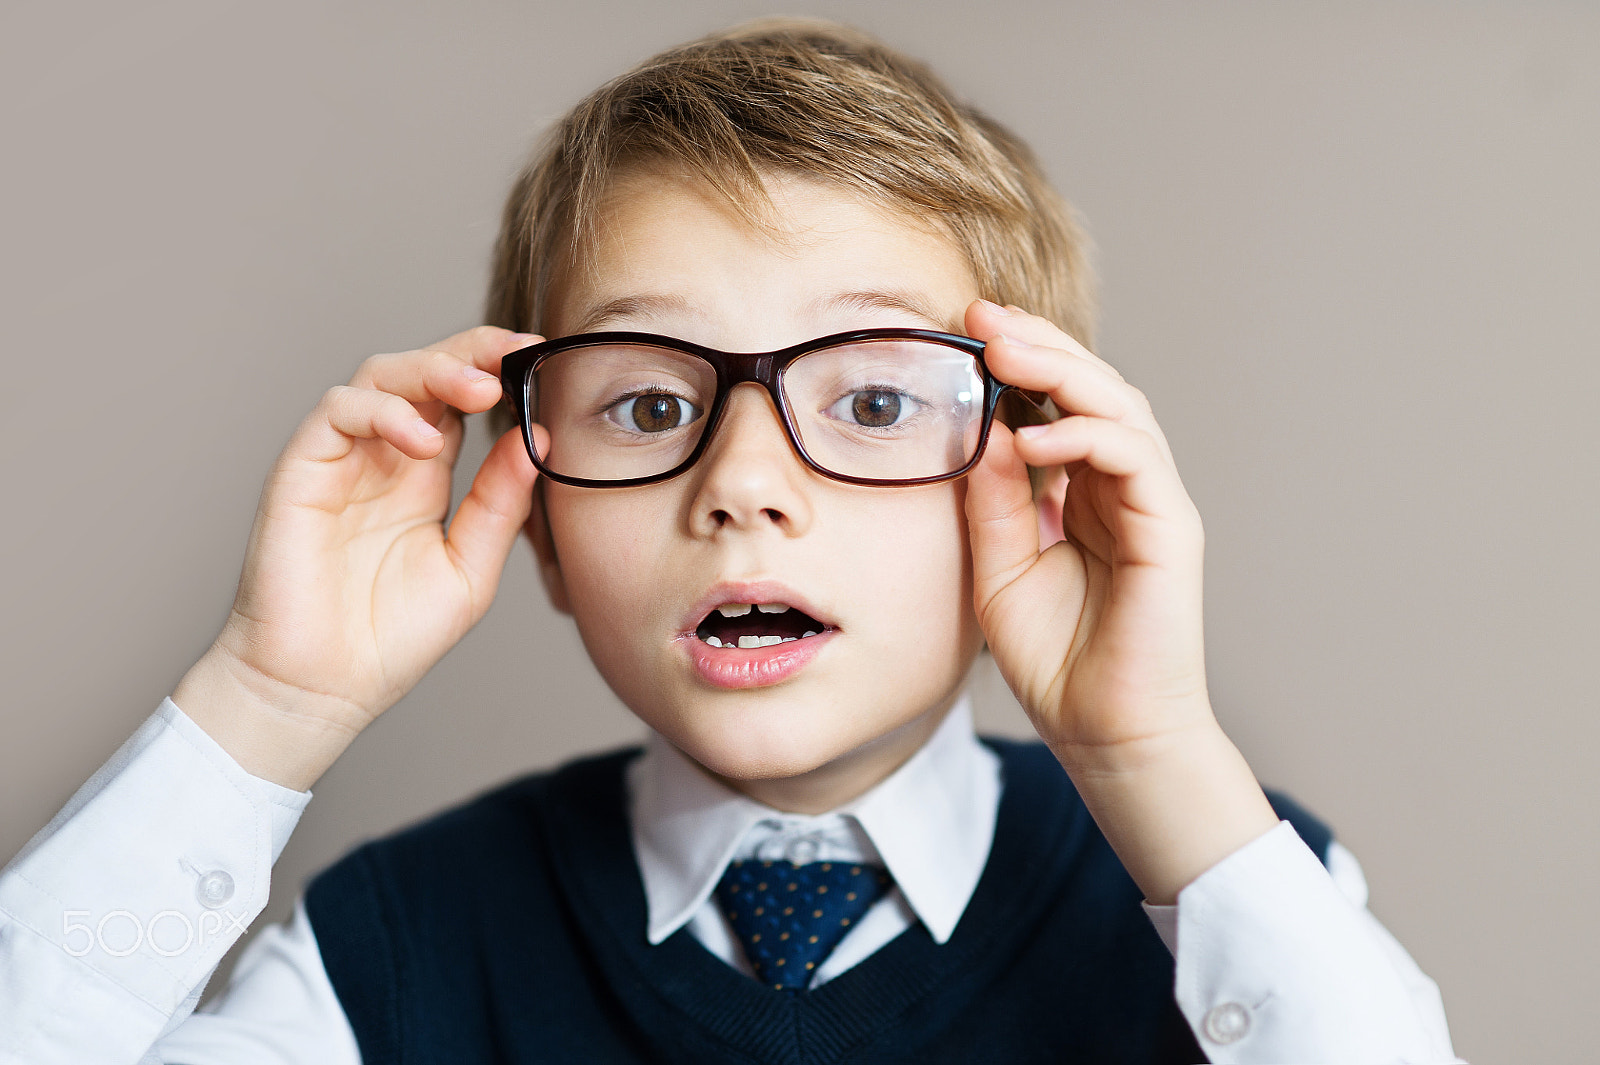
x=750, y=642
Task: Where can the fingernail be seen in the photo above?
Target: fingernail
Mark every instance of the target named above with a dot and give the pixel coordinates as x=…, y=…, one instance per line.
x=1032, y=432
x=473, y=374
x=426, y=429
x=524, y=339
x=1013, y=341
x=996, y=308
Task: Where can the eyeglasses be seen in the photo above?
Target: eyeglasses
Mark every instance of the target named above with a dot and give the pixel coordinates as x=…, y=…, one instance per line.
x=891, y=407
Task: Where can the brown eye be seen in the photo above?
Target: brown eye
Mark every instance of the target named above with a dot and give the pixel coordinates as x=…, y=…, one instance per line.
x=876, y=409
x=657, y=412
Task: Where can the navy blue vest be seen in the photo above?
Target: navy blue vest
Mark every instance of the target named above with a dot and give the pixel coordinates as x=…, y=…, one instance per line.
x=511, y=930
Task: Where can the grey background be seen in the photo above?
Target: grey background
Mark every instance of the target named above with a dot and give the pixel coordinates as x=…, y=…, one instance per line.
x=1348, y=250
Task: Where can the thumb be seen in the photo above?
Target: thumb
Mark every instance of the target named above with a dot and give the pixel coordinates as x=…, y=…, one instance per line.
x=489, y=519
x=1002, y=519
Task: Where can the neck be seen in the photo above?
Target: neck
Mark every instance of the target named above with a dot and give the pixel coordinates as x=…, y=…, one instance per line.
x=848, y=777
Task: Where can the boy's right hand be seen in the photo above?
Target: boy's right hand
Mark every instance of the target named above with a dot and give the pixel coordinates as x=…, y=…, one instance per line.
x=352, y=587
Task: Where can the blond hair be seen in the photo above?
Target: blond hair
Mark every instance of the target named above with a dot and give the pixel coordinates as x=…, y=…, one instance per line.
x=807, y=97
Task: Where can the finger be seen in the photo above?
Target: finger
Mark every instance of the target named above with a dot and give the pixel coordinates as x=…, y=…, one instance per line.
x=462, y=373
x=491, y=515
x=482, y=346
x=1002, y=519
x=1031, y=352
x=485, y=346
x=996, y=503
x=345, y=415
x=1075, y=385
x=452, y=424
x=1147, y=484
x=430, y=376
x=985, y=320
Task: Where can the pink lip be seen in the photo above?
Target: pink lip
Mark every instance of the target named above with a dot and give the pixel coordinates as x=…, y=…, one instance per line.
x=755, y=667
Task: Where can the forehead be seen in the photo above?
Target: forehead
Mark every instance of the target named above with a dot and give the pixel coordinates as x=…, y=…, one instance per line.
x=670, y=254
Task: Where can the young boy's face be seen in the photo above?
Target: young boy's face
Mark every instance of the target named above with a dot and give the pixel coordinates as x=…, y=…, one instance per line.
x=806, y=724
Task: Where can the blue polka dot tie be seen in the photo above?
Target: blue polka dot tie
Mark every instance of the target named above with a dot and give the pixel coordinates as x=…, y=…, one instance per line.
x=790, y=917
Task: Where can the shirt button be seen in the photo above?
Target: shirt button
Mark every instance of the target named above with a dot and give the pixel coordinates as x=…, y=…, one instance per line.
x=1227, y=1023
x=214, y=889
x=770, y=851
x=802, y=850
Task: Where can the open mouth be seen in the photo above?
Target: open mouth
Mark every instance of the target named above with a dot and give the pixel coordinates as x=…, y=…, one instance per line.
x=751, y=625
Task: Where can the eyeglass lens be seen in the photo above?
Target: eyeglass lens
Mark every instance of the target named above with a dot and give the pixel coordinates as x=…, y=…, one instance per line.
x=890, y=409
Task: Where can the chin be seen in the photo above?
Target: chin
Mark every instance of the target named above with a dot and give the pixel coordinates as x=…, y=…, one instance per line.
x=751, y=758
x=746, y=748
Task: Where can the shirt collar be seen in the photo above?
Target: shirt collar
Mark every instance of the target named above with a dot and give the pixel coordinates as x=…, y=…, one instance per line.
x=931, y=822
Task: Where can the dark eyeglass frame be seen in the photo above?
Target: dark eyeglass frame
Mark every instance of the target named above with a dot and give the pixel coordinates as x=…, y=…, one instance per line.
x=764, y=368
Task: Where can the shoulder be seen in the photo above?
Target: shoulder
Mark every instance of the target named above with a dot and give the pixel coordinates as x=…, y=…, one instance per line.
x=473, y=842
x=415, y=928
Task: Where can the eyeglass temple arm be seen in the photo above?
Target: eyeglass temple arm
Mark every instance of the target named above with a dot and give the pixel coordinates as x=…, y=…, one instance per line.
x=1045, y=408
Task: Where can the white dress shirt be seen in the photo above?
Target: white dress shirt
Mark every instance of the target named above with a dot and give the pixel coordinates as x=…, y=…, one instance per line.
x=113, y=917
x=929, y=824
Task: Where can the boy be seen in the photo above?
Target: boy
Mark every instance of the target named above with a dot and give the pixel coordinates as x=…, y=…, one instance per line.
x=784, y=566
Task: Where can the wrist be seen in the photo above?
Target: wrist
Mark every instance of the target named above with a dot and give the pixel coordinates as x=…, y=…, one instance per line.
x=1172, y=806
x=260, y=722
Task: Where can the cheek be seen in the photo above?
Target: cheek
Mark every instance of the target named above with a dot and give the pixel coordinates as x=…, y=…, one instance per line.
x=598, y=535
x=922, y=563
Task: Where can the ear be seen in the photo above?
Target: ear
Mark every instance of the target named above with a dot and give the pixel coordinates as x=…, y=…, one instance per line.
x=537, y=530
x=1051, y=500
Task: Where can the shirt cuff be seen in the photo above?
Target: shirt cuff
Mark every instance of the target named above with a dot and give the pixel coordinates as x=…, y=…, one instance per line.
x=115, y=914
x=1275, y=964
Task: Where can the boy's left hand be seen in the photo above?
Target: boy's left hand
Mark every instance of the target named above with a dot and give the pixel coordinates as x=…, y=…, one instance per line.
x=1100, y=635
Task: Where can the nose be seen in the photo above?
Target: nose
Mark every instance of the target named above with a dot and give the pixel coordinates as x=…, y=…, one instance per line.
x=750, y=477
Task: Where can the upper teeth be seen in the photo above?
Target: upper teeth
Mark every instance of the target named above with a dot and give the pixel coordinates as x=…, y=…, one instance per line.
x=739, y=610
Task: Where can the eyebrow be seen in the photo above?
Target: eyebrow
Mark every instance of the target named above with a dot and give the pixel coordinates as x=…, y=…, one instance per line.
x=872, y=300
x=661, y=305
x=647, y=306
